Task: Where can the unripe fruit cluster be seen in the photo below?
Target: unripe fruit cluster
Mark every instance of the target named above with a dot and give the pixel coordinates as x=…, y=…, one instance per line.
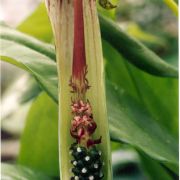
x=87, y=163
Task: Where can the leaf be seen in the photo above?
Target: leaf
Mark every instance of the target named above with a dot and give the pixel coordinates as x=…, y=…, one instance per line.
x=172, y=5
x=127, y=115
x=139, y=33
x=134, y=51
x=16, y=172
x=13, y=117
x=31, y=54
x=27, y=41
x=154, y=169
x=37, y=24
x=154, y=93
x=39, y=142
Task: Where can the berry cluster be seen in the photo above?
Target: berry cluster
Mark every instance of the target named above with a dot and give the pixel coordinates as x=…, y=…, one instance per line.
x=87, y=164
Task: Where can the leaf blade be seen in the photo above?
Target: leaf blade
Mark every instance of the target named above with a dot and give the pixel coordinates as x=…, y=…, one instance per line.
x=43, y=122
x=134, y=51
x=16, y=172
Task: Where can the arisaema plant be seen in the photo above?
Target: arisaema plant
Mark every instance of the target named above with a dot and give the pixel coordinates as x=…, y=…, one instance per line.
x=94, y=84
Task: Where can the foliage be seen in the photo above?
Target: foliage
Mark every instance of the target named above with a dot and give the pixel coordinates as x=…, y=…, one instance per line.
x=17, y=172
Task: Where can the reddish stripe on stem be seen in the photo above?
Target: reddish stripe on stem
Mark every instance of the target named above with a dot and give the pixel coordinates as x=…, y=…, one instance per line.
x=79, y=58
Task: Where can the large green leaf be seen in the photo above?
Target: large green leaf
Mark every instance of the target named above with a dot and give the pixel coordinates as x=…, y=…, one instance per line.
x=134, y=51
x=158, y=95
x=30, y=54
x=39, y=142
x=130, y=122
x=37, y=24
x=153, y=169
x=127, y=117
x=20, y=95
x=27, y=41
x=16, y=172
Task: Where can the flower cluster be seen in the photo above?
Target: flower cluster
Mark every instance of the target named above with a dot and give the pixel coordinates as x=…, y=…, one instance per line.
x=83, y=124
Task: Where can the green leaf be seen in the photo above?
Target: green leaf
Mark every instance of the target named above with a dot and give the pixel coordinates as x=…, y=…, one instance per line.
x=153, y=92
x=9, y=34
x=134, y=51
x=136, y=31
x=37, y=24
x=20, y=95
x=32, y=55
x=153, y=169
x=172, y=5
x=39, y=142
x=16, y=172
x=130, y=122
